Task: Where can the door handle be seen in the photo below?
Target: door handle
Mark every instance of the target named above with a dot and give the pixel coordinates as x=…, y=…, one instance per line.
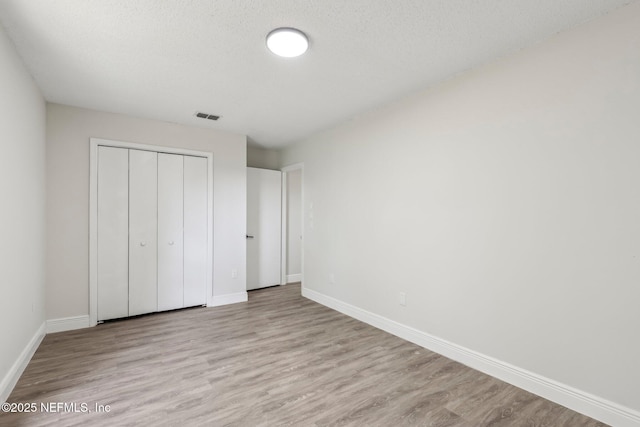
x=249, y=237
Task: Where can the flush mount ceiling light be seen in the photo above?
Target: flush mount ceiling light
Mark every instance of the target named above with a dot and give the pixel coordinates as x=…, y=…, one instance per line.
x=287, y=42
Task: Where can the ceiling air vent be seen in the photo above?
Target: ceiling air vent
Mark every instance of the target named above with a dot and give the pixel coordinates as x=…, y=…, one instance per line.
x=207, y=116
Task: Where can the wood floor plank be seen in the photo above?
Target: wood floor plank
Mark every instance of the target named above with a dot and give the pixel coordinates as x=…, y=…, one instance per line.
x=276, y=360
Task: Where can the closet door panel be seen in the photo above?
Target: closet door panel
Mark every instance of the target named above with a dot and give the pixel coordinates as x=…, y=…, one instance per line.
x=195, y=231
x=170, y=231
x=113, y=233
x=143, y=231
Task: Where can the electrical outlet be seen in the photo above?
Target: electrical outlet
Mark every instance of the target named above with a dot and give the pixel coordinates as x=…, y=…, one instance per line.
x=234, y=274
x=403, y=299
x=332, y=278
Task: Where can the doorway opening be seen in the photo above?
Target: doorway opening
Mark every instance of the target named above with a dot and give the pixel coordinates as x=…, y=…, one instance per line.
x=292, y=224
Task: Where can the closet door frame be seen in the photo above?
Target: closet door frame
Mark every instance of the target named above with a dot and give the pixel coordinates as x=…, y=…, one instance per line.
x=94, y=143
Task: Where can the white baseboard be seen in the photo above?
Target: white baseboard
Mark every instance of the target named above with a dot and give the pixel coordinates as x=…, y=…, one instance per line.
x=11, y=378
x=67, y=324
x=218, y=300
x=293, y=278
x=570, y=397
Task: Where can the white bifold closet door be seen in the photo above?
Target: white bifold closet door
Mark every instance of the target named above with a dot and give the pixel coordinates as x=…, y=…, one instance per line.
x=143, y=232
x=170, y=231
x=195, y=230
x=113, y=233
x=152, y=231
x=182, y=231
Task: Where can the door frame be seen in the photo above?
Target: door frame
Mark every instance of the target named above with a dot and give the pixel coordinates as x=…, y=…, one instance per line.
x=285, y=220
x=94, y=143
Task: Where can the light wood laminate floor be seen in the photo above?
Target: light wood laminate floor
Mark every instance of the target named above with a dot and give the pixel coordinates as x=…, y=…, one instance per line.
x=278, y=360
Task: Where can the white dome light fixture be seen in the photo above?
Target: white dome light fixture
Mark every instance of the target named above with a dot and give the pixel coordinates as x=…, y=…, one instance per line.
x=287, y=42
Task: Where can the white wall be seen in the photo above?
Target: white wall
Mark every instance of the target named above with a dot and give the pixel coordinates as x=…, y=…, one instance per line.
x=68, y=133
x=504, y=202
x=263, y=158
x=294, y=224
x=22, y=194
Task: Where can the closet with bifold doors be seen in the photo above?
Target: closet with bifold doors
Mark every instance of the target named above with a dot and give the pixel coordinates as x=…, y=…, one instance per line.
x=152, y=231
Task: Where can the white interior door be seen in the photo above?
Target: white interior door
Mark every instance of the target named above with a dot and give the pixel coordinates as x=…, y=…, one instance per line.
x=264, y=222
x=143, y=231
x=195, y=231
x=170, y=231
x=113, y=233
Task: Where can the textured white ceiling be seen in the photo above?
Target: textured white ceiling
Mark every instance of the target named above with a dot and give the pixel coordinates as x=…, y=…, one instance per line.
x=166, y=59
